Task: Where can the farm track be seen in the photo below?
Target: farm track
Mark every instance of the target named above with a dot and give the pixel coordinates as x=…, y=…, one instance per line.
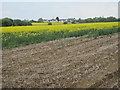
x=70, y=63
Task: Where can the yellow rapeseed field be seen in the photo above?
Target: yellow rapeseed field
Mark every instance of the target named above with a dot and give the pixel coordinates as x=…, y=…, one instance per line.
x=70, y=27
x=15, y=36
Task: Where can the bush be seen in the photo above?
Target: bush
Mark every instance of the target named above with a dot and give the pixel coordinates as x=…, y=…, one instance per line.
x=65, y=22
x=0, y=22
x=16, y=22
x=7, y=22
x=73, y=22
x=49, y=23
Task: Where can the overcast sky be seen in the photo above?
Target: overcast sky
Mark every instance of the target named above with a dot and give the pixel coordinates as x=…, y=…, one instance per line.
x=59, y=0
x=76, y=9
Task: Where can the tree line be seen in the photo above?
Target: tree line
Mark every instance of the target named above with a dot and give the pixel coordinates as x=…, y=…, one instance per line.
x=98, y=19
x=88, y=20
x=15, y=22
x=18, y=22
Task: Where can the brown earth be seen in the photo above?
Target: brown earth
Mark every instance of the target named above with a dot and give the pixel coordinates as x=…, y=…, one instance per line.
x=68, y=63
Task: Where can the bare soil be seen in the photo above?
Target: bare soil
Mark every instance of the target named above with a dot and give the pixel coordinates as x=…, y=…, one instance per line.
x=68, y=63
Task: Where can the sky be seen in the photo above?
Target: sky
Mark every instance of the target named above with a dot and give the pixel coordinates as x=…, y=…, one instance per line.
x=59, y=1
x=47, y=10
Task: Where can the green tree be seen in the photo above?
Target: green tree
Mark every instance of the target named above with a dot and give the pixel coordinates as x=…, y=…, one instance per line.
x=33, y=21
x=111, y=19
x=65, y=22
x=17, y=22
x=119, y=19
x=40, y=20
x=0, y=22
x=88, y=20
x=7, y=22
x=49, y=23
x=57, y=18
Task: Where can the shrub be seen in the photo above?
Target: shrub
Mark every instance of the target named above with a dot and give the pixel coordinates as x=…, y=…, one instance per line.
x=73, y=22
x=16, y=22
x=65, y=22
x=7, y=22
x=49, y=23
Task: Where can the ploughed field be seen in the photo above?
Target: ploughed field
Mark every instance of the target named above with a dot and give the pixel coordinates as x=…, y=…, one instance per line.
x=79, y=62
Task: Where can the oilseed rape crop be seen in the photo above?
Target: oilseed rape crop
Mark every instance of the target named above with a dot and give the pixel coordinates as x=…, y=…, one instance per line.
x=70, y=27
x=15, y=36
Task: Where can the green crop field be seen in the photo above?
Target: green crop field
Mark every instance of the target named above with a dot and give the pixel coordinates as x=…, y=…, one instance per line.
x=15, y=36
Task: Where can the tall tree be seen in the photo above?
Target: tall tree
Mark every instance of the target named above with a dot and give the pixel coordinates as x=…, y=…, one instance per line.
x=57, y=18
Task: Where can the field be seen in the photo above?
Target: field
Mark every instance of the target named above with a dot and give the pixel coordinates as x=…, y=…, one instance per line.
x=80, y=62
x=60, y=56
x=24, y=35
x=41, y=24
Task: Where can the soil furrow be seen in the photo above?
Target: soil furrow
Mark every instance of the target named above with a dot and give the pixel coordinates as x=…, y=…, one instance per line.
x=77, y=63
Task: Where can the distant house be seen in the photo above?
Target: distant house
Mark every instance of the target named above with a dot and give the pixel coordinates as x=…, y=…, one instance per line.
x=50, y=20
x=70, y=19
x=63, y=20
x=45, y=20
